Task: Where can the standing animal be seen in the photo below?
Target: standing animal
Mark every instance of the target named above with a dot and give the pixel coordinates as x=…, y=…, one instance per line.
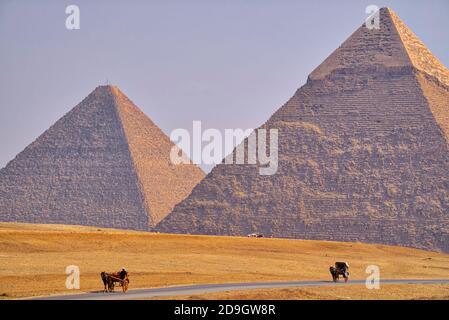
x=333, y=272
x=340, y=269
x=107, y=282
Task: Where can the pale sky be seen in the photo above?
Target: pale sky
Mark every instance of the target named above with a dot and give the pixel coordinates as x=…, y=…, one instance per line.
x=230, y=64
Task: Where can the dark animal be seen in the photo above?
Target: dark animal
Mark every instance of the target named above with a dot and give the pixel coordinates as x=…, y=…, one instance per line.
x=107, y=282
x=340, y=269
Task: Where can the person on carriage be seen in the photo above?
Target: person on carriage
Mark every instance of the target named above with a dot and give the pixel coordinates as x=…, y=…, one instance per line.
x=123, y=273
x=343, y=266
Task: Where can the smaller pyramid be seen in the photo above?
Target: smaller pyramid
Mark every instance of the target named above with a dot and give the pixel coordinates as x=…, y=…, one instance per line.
x=104, y=163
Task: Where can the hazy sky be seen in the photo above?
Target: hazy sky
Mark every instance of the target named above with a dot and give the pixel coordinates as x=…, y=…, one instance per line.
x=230, y=64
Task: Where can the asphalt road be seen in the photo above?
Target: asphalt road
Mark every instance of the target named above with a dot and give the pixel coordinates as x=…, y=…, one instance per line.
x=207, y=288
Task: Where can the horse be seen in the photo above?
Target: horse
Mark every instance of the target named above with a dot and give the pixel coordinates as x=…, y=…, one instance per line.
x=107, y=282
x=341, y=268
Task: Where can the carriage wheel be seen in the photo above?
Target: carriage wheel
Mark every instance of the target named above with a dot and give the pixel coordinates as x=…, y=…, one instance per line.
x=125, y=285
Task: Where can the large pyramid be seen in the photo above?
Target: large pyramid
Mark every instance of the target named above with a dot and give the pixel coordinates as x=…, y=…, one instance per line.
x=104, y=163
x=363, y=154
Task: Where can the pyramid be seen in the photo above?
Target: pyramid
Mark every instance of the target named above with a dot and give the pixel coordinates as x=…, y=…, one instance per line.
x=104, y=163
x=363, y=154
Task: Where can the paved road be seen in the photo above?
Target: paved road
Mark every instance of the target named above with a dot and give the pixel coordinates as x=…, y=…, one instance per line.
x=207, y=288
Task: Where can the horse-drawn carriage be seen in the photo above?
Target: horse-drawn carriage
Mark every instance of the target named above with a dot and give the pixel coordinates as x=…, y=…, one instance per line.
x=111, y=279
x=340, y=269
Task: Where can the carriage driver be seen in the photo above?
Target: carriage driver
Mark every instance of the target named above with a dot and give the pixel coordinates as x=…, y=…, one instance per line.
x=122, y=273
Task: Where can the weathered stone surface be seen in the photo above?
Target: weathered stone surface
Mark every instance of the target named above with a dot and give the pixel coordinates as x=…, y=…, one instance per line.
x=363, y=154
x=103, y=164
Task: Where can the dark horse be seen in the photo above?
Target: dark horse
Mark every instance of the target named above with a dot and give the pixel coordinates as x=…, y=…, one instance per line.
x=340, y=269
x=107, y=281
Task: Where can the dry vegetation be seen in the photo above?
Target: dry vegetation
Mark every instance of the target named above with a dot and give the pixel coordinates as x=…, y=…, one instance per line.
x=343, y=292
x=33, y=260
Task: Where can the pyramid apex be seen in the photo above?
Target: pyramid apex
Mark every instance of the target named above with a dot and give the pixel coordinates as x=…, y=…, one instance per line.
x=386, y=10
x=391, y=44
x=107, y=90
x=106, y=87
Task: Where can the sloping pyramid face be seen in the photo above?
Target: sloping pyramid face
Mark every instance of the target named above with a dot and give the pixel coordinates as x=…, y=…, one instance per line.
x=363, y=154
x=103, y=164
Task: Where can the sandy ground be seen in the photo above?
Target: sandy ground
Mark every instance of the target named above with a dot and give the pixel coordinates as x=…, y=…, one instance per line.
x=33, y=259
x=385, y=292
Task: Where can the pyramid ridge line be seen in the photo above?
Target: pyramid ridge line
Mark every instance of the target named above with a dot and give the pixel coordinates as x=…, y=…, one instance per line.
x=127, y=110
x=418, y=53
x=138, y=178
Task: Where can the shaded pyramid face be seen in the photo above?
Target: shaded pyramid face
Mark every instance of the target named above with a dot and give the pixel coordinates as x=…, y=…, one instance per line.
x=363, y=154
x=104, y=163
